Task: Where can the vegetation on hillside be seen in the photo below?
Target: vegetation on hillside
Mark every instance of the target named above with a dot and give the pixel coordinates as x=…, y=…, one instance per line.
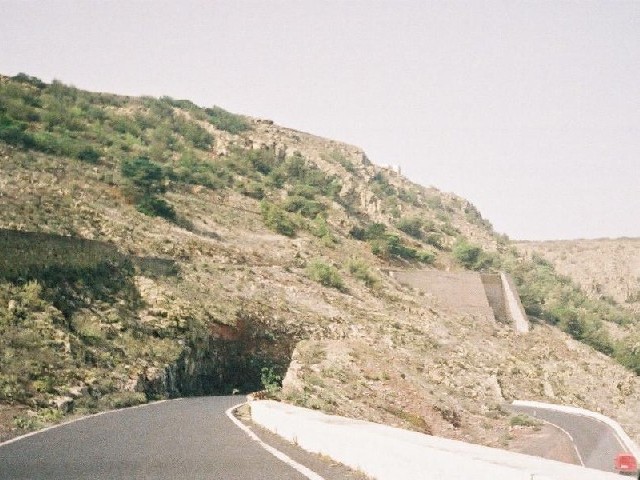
x=557, y=300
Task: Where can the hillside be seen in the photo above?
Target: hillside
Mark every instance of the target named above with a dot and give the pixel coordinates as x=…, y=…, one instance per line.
x=604, y=268
x=153, y=248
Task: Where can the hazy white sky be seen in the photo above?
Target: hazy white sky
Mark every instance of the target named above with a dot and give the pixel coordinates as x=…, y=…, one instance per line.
x=529, y=109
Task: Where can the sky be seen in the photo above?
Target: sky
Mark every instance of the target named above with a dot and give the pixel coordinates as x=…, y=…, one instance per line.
x=528, y=109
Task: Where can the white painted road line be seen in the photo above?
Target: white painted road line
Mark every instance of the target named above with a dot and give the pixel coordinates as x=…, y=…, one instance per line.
x=310, y=474
x=622, y=437
x=80, y=419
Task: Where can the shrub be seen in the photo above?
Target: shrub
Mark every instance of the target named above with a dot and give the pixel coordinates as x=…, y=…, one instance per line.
x=435, y=240
x=371, y=232
x=325, y=274
x=24, y=78
x=320, y=228
x=153, y=206
x=473, y=216
x=192, y=170
x=193, y=133
x=524, y=421
x=472, y=256
x=252, y=189
x=411, y=226
x=224, y=120
x=628, y=353
x=381, y=186
x=270, y=381
x=296, y=171
x=15, y=133
x=307, y=208
x=409, y=196
x=25, y=422
x=123, y=399
x=425, y=256
x=337, y=157
x=360, y=269
x=144, y=182
x=88, y=154
x=262, y=160
x=277, y=219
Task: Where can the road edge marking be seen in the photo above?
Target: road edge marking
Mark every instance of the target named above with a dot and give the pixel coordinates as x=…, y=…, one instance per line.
x=626, y=442
x=310, y=474
x=573, y=442
x=80, y=419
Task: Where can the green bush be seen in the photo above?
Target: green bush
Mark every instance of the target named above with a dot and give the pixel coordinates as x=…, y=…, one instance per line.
x=371, y=232
x=277, y=219
x=522, y=420
x=122, y=399
x=192, y=170
x=412, y=226
x=262, y=160
x=435, y=240
x=425, y=256
x=252, y=189
x=320, y=228
x=153, y=206
x=628, y=353
x=472, y=256
x=360, y=269
x=337, y=157
x=325, y=274
x=307, y=208
x=224, y=120
x=144, y=182
x=389, y=246
x=296, y=171
x=15, y=133
x=381, y=187
x=88, y=154
x=34, y=81
x=271, y=381
x=25, y=422
x=193, y=133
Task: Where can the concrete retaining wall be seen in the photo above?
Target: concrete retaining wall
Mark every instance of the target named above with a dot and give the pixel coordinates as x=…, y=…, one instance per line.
x=495, y=295
x=515, y=310
x=458, y=292
x=490, y=296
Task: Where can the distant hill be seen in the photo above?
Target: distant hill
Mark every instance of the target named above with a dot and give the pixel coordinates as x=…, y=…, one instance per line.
x=153, y=248
x=608, y=269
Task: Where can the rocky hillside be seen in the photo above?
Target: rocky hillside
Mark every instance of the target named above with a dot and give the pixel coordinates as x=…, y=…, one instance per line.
x=153, y=248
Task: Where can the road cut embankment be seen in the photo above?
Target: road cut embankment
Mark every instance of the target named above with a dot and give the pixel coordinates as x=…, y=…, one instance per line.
x=384, y=452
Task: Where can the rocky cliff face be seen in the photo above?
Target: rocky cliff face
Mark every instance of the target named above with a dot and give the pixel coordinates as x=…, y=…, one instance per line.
x=267, y=255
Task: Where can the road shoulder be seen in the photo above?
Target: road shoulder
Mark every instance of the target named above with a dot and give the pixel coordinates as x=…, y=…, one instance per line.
x=320, y=464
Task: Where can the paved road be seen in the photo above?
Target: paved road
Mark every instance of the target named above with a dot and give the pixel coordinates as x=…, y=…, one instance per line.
x=596, y=442
x=182, y=439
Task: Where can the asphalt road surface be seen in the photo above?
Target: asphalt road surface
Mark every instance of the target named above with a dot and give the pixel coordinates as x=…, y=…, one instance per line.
x=182, y=439
x=595, y=441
